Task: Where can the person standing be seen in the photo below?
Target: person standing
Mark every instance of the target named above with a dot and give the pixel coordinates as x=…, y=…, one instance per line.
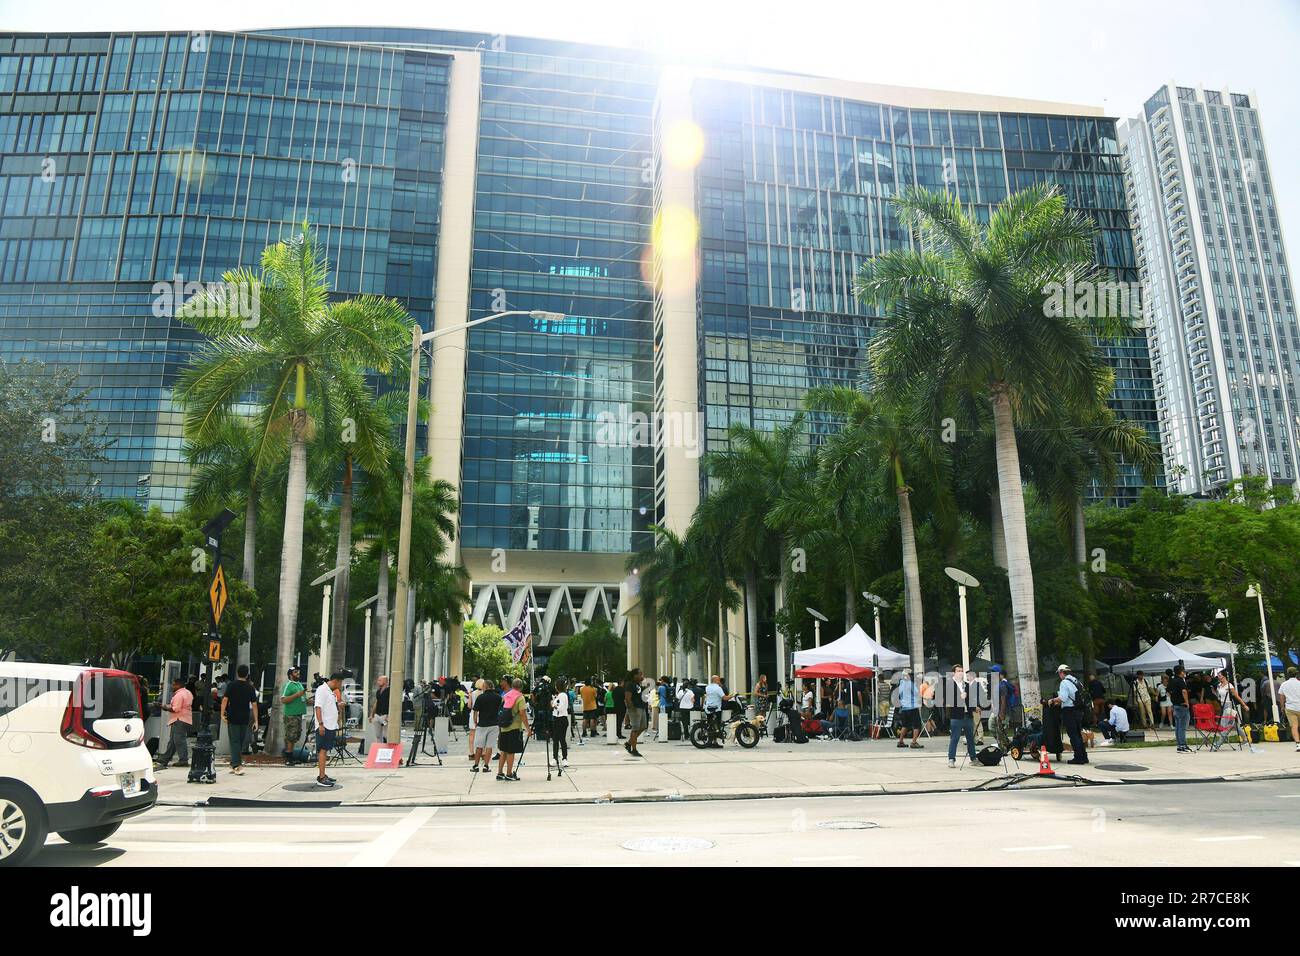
x=909, y=711
x=1071, y=698
x=589, y=707
x=239, y=715
x=1142, y=700
x=180, y=717
x=685, y=704
x=487, y=704
x=1289, y=695
x=1166, y=703
x=327, y=725
x=293, y=696
x=962, y=713
x=473, y=717
x=513, y=733
x=1097, y=694
x=633, y=705
x=560, y=722
x=1181, y=701
x=379, y=708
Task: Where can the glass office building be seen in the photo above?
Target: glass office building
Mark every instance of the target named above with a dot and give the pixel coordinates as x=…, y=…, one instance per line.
x=466, y=174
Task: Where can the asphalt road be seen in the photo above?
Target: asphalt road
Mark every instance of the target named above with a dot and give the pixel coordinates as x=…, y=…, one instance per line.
x=1223, y=824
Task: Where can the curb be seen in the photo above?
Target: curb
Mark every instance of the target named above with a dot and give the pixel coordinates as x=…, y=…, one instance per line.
x=875, y=790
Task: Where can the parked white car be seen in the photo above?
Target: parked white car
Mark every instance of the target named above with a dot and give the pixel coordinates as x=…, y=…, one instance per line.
x=73, y=758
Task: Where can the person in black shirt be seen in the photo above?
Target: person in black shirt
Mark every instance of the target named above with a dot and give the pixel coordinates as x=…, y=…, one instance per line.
x=1181, y=699
x=486, y=730
x=239, y=715
x=962, y=707
x=633, y=701
x=1097, y=694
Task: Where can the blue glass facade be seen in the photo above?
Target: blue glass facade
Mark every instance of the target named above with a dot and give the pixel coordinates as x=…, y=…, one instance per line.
x=135, y=159
x=792, y=196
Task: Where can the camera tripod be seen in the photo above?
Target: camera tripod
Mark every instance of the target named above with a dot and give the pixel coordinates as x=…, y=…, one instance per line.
x=423, y=731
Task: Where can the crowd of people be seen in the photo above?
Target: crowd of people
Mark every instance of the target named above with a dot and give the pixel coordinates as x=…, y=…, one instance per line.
x=501, y=714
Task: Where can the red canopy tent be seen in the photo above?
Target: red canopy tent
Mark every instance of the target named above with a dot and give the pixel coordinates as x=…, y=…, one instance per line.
x=832, y=671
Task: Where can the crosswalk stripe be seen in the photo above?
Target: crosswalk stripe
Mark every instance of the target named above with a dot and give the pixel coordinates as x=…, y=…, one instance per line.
x=383, y=848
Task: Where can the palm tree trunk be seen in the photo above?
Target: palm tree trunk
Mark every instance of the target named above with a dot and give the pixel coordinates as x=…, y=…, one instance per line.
x=911, y=579
x=850, y=602
x=1081, y=561
x=1020, y=572
x=1007, y=648
x=290, y=565
x=250, y=560
x=379, y=632
x=751, y=623
x=342, y=560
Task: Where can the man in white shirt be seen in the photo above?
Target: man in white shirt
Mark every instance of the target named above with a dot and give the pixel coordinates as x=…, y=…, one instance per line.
x=327, y=725
x=1289, y=695
x=685, y=704
x=1116, y=725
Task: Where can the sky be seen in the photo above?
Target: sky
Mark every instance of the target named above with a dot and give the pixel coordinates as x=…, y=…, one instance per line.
x=1108, y=53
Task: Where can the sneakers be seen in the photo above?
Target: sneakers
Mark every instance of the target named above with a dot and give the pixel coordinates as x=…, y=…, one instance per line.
x=500, y=776
x=901, y=743
x=474, y=769
x=1184, y=750
x=325, y=782
x=952, y=764
x=564, y=762
x=915, y=746
x=237, y=771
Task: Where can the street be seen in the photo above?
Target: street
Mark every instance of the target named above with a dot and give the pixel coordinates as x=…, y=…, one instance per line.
x=1228, y=824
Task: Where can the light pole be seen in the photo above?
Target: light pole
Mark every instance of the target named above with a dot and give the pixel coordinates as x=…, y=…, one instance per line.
x=964, y=581
x=877, y=602
x=365, y=671
x=401, y=625
x=325, y=579
x=1257, y=593
x=817, y=617
x=1222, y=615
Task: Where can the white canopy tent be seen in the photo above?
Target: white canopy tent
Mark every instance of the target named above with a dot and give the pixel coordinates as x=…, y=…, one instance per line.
x=855, y=648
x=1163, y=655
x=1208, y=647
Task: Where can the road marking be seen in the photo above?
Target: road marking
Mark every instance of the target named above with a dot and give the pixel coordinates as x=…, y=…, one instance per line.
x=383, y=848
x=202, y=826
x=1288, y=796
x=1227, y=839
x=821, y=859
x=245, y=849
x=1035, y=849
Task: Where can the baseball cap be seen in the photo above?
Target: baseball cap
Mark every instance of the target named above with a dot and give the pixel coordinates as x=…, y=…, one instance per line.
x=1063, y=667
x=292, y=670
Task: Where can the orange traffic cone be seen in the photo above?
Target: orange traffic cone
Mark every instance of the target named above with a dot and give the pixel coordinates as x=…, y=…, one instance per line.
x=1045, y=765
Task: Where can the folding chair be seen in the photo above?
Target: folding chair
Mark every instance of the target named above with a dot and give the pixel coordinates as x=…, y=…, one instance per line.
x=1212, y=730
x=885, y=724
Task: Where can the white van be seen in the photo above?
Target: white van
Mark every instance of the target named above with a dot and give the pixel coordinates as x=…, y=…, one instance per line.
x=72, y=756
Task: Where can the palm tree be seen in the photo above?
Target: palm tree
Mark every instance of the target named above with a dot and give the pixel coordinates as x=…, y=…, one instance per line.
x=663, y=573
x=364, y=442
x=879, y=445
x=756, y=470
x=300, y=346
x=226, y=474
x=969, y=313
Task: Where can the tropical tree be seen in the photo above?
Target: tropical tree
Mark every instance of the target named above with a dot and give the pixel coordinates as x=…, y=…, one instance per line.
x=755, y=471
x=298, y=347
x=226, y=474
x=879, y=445
x=595, y=651
x=970, y=311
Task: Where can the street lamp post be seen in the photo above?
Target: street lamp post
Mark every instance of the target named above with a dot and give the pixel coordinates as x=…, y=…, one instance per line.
x=964, y=581
x=1257, y=592
x=877, y=602
x=368, y=604
x=817, y=617
x=401, y=625
x=325, y=579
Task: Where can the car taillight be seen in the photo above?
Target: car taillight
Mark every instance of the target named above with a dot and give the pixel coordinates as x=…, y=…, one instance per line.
x=73, y=728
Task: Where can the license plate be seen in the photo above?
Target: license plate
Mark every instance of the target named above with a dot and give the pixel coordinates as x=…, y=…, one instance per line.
x=130, y=783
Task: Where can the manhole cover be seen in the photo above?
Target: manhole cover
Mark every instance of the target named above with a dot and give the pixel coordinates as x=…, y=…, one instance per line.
x=311, y=788
x=668, y=845
x=1122, y=767
x=848, y=825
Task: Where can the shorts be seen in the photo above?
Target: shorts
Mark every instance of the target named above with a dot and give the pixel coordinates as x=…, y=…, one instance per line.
x=512, y=741
x=325, y=739
x=636, y=720
x=485, y=737
x=909, y=719
x=292, y=731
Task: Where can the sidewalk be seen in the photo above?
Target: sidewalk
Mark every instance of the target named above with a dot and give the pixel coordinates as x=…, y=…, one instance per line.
x=600, y=772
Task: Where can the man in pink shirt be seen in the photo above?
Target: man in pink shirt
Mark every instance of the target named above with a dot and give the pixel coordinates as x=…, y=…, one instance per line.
x=180, y=717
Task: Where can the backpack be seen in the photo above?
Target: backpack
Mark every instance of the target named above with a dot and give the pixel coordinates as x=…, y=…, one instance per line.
x=506, y=715
x=1082, y=705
